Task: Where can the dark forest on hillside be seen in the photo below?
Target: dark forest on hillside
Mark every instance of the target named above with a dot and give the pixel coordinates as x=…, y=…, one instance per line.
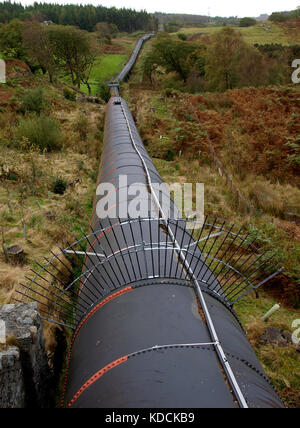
x=195, y=19
x=84, y=17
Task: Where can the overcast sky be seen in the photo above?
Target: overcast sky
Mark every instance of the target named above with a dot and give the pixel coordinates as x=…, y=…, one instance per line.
x=200, y=7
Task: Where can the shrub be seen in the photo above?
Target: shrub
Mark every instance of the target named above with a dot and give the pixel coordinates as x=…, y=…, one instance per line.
x=170, y=155
x=12, y=176
x=107, y=39
x=104, y=92
x=69, y=95
x=172, y=27
x=40, y=131
x=232, y=63
x=169, y=92
x=82, y=126
x=33, y=101
x=173, y=83
x=266, y=197
x=247, y=22
x=182, y=36
x=279, y=17
x=59, y=186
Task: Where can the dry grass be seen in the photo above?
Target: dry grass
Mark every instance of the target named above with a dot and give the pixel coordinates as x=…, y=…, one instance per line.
x=27, y=176
x=278, y=199
x=265, y=197
x=273, y=201
x=9, y=279
x=281, y=364
x=252, y=35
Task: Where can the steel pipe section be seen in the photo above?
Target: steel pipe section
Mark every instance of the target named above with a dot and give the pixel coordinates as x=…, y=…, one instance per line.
x=145, y=342
x=128, y=67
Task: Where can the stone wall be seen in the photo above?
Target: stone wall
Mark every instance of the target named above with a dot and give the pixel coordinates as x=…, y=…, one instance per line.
x=25, y=378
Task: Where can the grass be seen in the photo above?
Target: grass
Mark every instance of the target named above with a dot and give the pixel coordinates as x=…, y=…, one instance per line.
x=281, y=364
x=252, y=35
x=111, y=63
x=105, y=67
x=26, y=177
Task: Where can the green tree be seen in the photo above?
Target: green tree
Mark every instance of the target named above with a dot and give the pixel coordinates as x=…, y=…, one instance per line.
x=75, y=51
x=103, y=29
x=172, y=27
x=247, y=22
x=172, y=55
x=83, y=16
x=279, y=17
x=197, y=60
x=88, y=57
x=295, y=13
x=11, y=43
x=182, y=36
x=231, y=63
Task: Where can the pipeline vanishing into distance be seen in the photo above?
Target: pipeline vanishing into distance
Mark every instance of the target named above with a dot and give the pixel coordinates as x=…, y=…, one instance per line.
x=153, y=318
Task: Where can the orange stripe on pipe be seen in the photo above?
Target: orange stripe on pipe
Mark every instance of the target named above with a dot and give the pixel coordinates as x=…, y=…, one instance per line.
x=96, y=377
x=90, y=314
x=108, y=165
x=95, y=309
x=102, y=234
x=109, y=161
x=110, y=157
x=112, y=170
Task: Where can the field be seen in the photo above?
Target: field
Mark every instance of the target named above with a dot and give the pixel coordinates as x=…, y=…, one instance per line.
x=111, y=62
x=252, y=35
x=104, y=68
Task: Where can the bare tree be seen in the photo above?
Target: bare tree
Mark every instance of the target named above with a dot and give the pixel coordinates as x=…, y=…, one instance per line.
x=75, y=50
x=87, y=61
x=40, y=49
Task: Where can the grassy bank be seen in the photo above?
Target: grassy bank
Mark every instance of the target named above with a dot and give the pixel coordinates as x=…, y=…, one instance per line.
x=104, y=68
x=252, y=35
x=33, y=213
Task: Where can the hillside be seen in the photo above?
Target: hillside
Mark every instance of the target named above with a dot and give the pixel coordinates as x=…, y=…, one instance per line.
x=46, y=197
x=262, y=33
x=242, y=143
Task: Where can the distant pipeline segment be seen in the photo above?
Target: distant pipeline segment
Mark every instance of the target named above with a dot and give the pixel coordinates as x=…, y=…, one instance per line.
x=114, y=84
